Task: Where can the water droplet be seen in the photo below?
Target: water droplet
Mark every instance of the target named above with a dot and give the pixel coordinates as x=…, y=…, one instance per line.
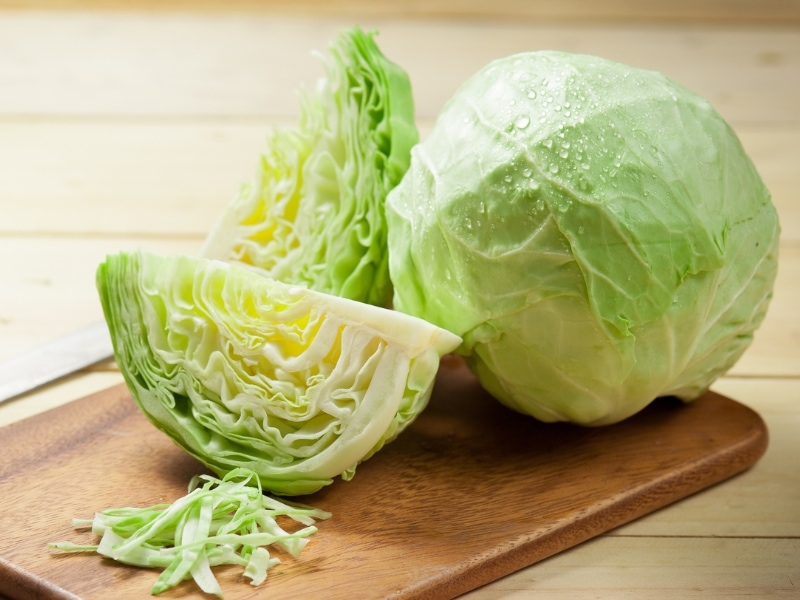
x=522, y=121
x=565, y=144
x=548, y=143
x=585, y=166
x=508, y=179
x=581, y=229
x=526, y=172
x=532, y=94
x=564, y=154
x=557, y=108
x=553, y=168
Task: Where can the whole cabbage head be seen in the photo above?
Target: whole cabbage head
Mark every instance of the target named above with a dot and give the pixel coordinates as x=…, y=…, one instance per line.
x=595, y=233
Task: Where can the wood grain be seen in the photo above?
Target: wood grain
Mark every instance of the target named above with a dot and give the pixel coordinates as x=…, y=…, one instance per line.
x=470, y=493
x=716, y=11
x=151, y=64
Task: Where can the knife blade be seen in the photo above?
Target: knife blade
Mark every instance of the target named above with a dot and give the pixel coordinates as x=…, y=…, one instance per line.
x=49, y=362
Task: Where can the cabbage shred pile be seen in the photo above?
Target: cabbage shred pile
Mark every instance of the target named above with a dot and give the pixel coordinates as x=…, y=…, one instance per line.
x=226, y=521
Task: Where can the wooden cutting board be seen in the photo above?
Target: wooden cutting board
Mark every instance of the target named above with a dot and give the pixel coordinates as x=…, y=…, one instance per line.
x=471, y=492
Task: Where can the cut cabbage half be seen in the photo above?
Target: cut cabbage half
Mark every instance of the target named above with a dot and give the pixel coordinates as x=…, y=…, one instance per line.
x=244, y=371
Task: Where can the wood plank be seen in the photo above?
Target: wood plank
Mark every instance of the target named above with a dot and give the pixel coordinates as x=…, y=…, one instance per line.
x=552, y=486
x=162, y=63
x=659, y=568
x=774, y=152
x=52, y=291
x=117, y=177
x=153, y=177
x=69, y=389
x=773, y=350
x=778, y=12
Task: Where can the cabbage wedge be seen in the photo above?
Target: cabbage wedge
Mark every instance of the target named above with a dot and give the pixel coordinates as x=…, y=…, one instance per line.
x=314, y=213
x=244, y=371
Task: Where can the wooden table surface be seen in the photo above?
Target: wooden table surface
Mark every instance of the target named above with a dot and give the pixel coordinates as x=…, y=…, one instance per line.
x=127, y=125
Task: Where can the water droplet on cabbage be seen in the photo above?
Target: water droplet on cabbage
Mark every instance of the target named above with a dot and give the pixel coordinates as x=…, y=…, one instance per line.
x=522, y=122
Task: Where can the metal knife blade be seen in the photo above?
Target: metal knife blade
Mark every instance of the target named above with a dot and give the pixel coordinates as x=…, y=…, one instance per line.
x=62, y=356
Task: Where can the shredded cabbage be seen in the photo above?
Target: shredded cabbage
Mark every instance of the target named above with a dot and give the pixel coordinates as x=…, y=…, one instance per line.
x=226, y=521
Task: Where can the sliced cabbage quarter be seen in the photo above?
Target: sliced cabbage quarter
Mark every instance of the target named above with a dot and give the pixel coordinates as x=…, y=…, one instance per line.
x=314, y=213
x=242, y=370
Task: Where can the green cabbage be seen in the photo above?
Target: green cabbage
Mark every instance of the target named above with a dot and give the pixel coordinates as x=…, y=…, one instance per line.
x=243, y=371
x=314, y=214
x=595, y=233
